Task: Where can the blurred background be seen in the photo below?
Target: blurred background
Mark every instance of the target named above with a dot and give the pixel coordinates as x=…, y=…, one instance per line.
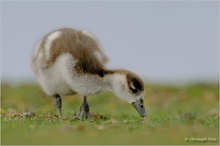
x=168, y=43
x=162, y=41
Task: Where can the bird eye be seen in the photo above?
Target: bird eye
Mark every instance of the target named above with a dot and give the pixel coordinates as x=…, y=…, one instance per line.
x=134, y=90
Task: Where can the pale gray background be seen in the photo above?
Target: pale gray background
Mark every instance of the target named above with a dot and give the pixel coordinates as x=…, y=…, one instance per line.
x=162, y=41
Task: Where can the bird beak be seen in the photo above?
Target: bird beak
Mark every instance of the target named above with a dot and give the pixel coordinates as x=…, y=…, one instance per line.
x=139, y=106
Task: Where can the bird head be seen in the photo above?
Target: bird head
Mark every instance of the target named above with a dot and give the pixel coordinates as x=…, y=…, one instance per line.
x=130, y=88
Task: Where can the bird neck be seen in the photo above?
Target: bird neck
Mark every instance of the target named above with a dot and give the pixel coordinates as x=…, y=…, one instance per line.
x=91, y=84
x=113, y=80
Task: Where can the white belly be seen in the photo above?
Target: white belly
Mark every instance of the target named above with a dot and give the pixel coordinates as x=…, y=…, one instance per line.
x=62, y=79
x=54, y=80
x=53, y=84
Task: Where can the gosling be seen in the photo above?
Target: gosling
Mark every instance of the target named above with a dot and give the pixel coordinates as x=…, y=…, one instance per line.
x=70, y=61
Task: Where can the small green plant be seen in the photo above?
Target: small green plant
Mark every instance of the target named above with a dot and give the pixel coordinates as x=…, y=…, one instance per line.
x=176, y=115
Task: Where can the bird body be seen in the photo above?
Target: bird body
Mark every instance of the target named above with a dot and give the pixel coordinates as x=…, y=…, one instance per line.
x=70, y=61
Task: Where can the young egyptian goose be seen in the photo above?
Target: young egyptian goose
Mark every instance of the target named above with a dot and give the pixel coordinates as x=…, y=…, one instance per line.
x=70, y=61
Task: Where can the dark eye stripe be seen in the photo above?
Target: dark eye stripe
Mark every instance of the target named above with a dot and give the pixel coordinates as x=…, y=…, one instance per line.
x=134, y=90
x=136, y=84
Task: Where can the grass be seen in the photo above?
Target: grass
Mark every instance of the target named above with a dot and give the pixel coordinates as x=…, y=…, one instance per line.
x=176, y=115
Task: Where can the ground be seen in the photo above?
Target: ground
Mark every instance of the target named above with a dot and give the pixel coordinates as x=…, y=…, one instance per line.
x=176, y=115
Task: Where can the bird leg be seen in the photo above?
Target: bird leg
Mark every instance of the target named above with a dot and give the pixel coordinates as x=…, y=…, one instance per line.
x=84, y=110
x=57, y=103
